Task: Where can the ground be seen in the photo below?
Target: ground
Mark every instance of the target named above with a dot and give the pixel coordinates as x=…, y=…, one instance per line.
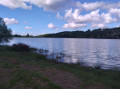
x=27, y=70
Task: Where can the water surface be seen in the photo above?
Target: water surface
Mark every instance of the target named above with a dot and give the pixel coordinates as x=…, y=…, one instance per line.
x=91, y=52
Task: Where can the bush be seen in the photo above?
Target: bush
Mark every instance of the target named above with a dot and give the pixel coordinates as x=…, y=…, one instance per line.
x=33, y=49
x=21, y=47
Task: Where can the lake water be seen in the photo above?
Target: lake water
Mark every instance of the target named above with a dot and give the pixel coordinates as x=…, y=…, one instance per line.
x=90, y=52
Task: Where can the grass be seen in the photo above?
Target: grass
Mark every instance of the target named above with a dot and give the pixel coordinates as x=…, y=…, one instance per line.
x=29, y=79
x=89, y=77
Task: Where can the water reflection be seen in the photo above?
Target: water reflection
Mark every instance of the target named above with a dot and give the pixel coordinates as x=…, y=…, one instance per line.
x=91, y=52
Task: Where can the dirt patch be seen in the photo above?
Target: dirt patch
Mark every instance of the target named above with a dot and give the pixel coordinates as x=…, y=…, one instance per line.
x=62, y=78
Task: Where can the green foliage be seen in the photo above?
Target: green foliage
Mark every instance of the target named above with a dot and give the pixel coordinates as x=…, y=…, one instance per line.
x=113, y=33
x=5, y=33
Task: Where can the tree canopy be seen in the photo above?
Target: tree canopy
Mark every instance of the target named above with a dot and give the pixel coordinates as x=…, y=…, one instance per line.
x=5, y=33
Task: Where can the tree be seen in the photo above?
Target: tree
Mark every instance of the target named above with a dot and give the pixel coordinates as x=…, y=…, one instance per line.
x=5, y=33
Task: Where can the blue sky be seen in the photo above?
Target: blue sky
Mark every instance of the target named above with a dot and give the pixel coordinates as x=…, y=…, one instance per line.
x=50, y=16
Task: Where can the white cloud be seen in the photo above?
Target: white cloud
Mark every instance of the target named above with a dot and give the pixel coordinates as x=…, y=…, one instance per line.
x=109, y=5
x=9, y=21
x=49, y=5
x=75, y=16
x=92, y=17
x=59, y=16
x=95, y=16
x=107, y=18
x=92, y=6
x=27, y=27
x=99, y=26
x=51, y=26
x=15, y=4
x=115, y=12
x=97, y=5
x=68, y=13
x=55, y=5
x=73, y=25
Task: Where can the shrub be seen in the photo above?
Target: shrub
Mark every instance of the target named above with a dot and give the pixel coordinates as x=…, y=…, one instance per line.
x=21, y=47
x=33, y=49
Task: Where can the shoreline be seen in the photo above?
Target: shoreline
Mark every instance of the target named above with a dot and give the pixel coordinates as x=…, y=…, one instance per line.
x=31, y=65
x=70, y=38
x=53, y=57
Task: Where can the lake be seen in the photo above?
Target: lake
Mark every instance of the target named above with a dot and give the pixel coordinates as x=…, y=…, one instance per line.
x=90, y=52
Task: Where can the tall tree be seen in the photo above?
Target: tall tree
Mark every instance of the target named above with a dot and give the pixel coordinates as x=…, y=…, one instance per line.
x=5, y=33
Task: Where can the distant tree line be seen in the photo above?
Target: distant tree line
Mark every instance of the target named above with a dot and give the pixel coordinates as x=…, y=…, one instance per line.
x=27, y=35
x=110, y=33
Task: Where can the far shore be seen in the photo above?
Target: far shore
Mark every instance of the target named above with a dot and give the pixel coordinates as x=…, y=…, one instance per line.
x=68, y=38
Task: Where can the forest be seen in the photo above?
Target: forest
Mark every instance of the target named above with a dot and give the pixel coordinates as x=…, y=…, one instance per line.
x=110, y=33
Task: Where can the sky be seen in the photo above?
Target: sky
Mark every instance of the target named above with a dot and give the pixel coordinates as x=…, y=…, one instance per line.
x=38, y=17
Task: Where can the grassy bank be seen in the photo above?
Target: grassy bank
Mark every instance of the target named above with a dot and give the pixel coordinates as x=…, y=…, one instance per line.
x=27, y=70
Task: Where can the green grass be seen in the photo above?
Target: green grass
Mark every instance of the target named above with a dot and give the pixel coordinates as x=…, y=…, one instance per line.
x=88, y=76
x=29, y=80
